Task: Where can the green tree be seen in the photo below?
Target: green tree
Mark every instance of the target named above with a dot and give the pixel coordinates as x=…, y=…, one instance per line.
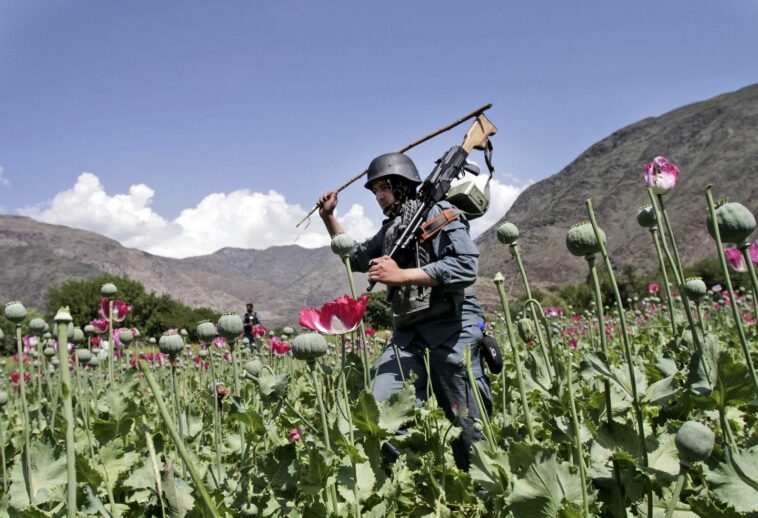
x=378, y=314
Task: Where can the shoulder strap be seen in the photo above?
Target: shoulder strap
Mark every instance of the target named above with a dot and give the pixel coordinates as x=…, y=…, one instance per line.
x=434, y=225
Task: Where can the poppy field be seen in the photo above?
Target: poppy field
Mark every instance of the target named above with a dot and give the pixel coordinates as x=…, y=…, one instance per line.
x=638, y=407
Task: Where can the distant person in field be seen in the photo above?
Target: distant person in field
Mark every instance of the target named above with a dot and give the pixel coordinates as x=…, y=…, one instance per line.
x=249, y=320
x=433, y=307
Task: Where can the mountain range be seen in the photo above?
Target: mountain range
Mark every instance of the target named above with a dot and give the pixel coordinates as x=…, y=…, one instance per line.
x=712, y=142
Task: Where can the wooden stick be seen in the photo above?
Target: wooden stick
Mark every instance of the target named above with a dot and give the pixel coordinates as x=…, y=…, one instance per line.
x=450, y=126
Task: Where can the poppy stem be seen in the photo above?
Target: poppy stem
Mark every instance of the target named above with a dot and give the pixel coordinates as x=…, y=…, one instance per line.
x=68, y=413
x=196, y=478
x=753, y=280
x=728, y=282
x=665, y=276
x=25, y=410
x=499, y=281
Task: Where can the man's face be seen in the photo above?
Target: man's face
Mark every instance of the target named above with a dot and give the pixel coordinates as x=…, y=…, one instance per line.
x=249, y=308
x=383, y=194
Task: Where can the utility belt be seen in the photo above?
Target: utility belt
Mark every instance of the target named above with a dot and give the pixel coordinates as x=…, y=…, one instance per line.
x=414, y=304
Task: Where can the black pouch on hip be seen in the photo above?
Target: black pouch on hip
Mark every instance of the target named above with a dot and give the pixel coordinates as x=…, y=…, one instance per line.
x=492, y=354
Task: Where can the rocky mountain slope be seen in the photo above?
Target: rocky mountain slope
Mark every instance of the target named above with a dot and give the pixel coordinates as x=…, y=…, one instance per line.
x=712, y=142
x=280, y=280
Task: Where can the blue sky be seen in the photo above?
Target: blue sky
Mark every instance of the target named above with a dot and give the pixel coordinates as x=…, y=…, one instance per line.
x=181, y=127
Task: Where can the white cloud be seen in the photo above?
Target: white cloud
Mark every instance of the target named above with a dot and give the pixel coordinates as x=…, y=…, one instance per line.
x=242, y=218
x=3, y=180
x=502, y=197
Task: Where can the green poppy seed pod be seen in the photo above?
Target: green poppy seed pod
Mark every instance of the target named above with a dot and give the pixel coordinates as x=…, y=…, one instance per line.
x=78, y=337
x=202, y=353
x=253, y=368
x=206, y=332
x=230, y=326
x=152, y=340
x=183, y=332
x=695, y=288
x=287, y=330
x=580, y=240
x=49, y=352
x=94, y=361
x=507, y=233
x=126, y=337
x=3, y=398
x=108, y=290
x=83, y=356
x=55, y=361
x=735, y=223
x=37, y=326
x=309, y=346
x=498, y=279
x=694, y=442
x=171, y=344
x=63, y=316
x=89, y=329
x=271, y=333
x=646, y=217
x=70, y=331
x=47, y=336
x=526, y=329
x=15, y=312
x=342, y=244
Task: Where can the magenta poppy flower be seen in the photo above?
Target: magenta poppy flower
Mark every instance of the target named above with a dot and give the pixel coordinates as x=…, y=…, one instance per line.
x=735, y=258
x=370, y=332
x=661, y=175
x=100, y=325
x=279, y=347
x=95, y=341
x=294, y=435
x=259, y=331
x=573, y=343
x=653, y=288
x=219, y=341
x=120, y=309
x=553, y=312
x=335, y=318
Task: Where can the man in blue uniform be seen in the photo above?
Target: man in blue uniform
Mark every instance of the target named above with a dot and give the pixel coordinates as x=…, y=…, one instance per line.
x=433, y=305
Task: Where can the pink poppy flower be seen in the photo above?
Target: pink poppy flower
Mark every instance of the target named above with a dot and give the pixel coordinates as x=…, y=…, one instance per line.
x=753, y=251
x=100, y=325
x=279, y=347
x=259, y=331
x=29, y=342
x=661, y=175
x=335, y=318
x=735, y=258
x=553, y=312
x=95, y=341
x=294, y=435
x=748, y=318
x=577, y=318
x=219, y=341
x=120, y=309
x=653, y=288
x=573, y=343
x=716, y=288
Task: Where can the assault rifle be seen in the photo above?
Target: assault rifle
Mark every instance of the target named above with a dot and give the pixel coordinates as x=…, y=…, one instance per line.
x=436, y=186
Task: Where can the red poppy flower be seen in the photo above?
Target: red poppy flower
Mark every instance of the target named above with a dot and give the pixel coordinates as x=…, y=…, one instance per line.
x=259, y=331
x=279, y=347
x=16, y=377
x=95, y=342
x=653, y=288
x=335, y=318
x=370, y=332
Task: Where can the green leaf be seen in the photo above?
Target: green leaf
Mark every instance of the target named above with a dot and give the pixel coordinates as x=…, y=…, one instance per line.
x=178, y=494
x=113, y=461
x=548, y=489
x=142, y=477
x=735, y=483
x=537, y=377
x=661, y=391
x=663, y=462
x=47, y=474
x=366, y=415
x=397, y=409
x=490, y=470
x=361, y=480
x=252, y=421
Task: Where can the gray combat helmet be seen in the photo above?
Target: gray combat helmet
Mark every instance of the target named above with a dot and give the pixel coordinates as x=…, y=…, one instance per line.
x=392, y=164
